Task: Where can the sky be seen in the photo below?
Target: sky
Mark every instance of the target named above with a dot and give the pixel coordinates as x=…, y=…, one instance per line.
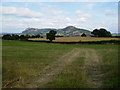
x=17, y=16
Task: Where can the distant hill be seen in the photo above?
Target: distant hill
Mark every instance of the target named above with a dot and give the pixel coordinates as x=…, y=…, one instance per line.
x=69, y=31
x=116, y=34
x=4, y=33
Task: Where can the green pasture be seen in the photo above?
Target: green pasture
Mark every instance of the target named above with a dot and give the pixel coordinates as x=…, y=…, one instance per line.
x=22, y=60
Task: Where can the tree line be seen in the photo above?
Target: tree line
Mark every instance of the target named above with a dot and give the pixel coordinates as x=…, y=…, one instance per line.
x=19, y=37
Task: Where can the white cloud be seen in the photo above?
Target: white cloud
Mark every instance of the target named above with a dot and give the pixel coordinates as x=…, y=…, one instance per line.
x=89, y=6
x=68, y=19
x=82, y=16
x=79, y=12
x=109, y=12
x=82, y=19
x=51, y=11
x=61, y=19
x=20, y=12
x=55, y=22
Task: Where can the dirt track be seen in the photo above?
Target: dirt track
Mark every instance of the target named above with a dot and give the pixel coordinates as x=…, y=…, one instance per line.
x=91, y=67
x=54, y=69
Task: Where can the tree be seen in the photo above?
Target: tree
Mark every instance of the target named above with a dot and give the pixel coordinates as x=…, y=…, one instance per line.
x=7, y=37
x=41, y=37
x=37, y=36
x=83, y=35
x=101, y=33
x=14, y=37
x=51, y=35
x=105, y=33
x=23, y=37
x=96, y=32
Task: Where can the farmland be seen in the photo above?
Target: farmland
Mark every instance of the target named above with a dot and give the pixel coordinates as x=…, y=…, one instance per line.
x=48, y=65
x=76, y=39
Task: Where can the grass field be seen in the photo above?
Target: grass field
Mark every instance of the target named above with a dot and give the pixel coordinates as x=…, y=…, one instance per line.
x=76, y=39
x=47, y=65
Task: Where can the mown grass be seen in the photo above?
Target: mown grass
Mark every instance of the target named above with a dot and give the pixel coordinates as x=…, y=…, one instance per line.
x=73, y=76
x=109, y=64
x=22, y=60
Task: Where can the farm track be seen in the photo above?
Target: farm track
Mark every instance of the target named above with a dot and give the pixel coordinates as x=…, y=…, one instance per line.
x=91, y=68
x=54, y=69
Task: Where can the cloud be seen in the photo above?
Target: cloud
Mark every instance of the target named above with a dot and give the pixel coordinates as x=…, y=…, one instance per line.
x=51, y=11
x=82, y=19
x=20, y=12
x=109, y=12
x=54, y=22
x=82, y=16
x=51, y=17
x=79, y=12
x=23, y=23
x=89, y=6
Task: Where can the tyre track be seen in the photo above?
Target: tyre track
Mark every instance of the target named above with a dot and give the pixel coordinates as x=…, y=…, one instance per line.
x=54, y=69
x=93, y=69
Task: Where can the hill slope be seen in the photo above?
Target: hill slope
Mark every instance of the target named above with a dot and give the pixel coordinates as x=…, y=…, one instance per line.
x=68, y=31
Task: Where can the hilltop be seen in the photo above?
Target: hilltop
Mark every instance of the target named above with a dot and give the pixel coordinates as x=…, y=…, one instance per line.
x=69, y=31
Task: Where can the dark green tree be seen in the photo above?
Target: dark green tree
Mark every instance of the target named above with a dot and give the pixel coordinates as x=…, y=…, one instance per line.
x=51, y=35
x=23, y=37
x=7, y=37
x=101, y=33
x=96, y=32
x=105, y=33
x=41, y=37
x=14, y=37
x=37, y=36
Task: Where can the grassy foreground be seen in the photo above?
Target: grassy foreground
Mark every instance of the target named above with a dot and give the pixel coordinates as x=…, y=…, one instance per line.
x=23, y=61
